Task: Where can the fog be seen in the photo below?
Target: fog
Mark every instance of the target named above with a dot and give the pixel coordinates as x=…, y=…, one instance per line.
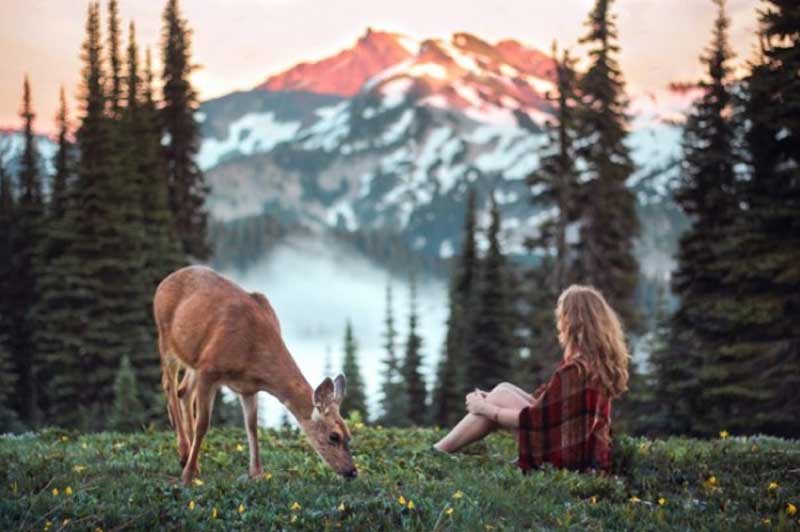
x=316, y=285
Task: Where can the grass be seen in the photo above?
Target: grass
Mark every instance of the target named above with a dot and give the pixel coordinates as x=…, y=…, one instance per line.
x=54, y=480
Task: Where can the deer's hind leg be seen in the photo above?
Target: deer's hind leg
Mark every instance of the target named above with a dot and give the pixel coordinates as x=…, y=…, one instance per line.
x=205, y=390
x=187, y=414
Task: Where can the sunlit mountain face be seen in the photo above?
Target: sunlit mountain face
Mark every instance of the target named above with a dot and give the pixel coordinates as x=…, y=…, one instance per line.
x=389, y=134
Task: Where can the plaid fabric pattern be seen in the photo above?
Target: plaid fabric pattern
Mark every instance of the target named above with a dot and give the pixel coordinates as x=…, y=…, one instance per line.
x=568, y=424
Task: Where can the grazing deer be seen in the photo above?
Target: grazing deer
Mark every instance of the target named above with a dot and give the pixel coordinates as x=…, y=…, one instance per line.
x=221, y=335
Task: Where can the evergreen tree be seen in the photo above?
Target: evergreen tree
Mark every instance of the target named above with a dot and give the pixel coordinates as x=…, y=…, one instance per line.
x=149, y=215
x=708, y=381
x=114, y=90
x=127, y=411
x=451, y=385
x=187, y=188
x=609, y=222
x=23, y=289
x=492, y=340
x=415, y=391
x=554, y=186
x=8, y=374
x=49, y=308
x=393, y=400
x=763, y=335
x=356, y=398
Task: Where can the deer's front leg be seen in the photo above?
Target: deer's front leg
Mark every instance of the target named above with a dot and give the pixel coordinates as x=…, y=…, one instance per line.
x=204, y=393
x=250, y=409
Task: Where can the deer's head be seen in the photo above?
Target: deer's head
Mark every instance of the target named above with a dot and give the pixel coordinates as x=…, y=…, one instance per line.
x=327, y=431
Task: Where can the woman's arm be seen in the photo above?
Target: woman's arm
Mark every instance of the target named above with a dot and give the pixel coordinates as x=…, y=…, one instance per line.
x=505, y=417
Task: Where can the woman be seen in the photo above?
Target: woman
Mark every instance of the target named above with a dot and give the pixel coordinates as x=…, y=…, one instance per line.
x=567, y=421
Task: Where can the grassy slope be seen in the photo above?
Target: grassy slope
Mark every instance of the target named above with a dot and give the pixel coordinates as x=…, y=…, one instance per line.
x=128, y=481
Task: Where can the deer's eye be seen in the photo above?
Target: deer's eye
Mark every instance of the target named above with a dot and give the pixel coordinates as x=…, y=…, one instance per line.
x=335, y=438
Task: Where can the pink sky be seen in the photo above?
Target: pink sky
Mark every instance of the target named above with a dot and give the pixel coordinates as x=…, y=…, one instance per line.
x=239, y=43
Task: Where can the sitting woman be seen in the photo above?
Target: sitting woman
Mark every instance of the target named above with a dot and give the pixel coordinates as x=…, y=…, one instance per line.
x=567, y=421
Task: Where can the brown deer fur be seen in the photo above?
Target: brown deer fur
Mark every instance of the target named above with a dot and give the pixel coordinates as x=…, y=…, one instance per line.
x=221, y=335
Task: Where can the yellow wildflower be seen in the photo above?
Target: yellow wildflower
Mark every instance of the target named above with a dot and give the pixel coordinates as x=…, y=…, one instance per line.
x=78, y=468
x=65, y=523
x=341, y=507
x=359, y=426
x=65, y=438
x=293, y=519
x=241, y=508
x=458, y=494
x=449, y=511
x=791, y=509
x=98, y=529
x=267, y=476
x=55, y=492
x=724, y=434
x=214, y=513
x=401, y=500
x=84, y=446
x=191, y=505
x=766, y=520
x=295, y=506
x=240, y=447
x=662, y=501
x=68, y=491
x=711, y=482
x=410, y=505
x=773, y=486
x=635, y=499
x=47, y=525
x=197, y=482
x=593, y=499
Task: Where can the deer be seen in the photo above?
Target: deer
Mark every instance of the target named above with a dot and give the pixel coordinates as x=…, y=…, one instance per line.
x=218, y=334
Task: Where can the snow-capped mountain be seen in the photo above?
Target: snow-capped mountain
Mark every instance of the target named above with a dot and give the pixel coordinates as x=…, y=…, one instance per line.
x=389, y=134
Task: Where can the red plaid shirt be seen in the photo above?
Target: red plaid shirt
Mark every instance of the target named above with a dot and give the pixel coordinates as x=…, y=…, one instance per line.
x=568, y=424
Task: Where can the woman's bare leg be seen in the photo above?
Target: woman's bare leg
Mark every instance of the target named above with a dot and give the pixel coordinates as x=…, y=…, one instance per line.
x=517, y=390
x=473, y=428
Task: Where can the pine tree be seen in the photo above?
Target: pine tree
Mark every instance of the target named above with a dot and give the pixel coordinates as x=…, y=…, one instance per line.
x=9, y=420
x=187, y=186
x=149, y=214
x=393, y=400
x=29, y=215
x=114, y=90
x=555, y=186
x=127, y=411
x=708, y=381
x=451, y=385
x=415, y=391
x=49, y=308
x=492, y=344
x=763, y=335
x=609, y=222
x=356, y=398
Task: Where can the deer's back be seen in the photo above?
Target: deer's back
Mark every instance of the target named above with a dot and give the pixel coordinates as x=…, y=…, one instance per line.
x=199, y=312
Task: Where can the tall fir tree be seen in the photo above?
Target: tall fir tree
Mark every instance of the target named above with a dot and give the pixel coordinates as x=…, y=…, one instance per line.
x=115, y=79
x=709, y=382
x=763, y=334
x=554, y=186
x=415, y=391
x=8, y=374
x=393, y=399
x=492, y=342
x=29, y=215
x=356, y=398
x=187, y=188
x=451, y=385
x=49, y=308
x=609, y=221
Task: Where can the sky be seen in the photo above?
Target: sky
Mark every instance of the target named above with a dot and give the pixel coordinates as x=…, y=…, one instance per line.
x=239, y=43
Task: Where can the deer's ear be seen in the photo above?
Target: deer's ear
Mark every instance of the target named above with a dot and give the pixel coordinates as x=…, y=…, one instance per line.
x=340, y=388
x=323, y=395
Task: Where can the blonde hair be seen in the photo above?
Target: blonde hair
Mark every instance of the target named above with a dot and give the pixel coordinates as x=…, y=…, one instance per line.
x=591, y=335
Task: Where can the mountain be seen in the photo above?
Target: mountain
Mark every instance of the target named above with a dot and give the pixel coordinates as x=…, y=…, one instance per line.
x=384, y=138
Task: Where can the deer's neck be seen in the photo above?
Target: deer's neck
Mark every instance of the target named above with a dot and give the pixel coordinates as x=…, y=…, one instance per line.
x=288, y=384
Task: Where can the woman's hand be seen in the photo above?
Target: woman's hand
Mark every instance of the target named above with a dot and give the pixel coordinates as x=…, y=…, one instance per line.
x=477, y=404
